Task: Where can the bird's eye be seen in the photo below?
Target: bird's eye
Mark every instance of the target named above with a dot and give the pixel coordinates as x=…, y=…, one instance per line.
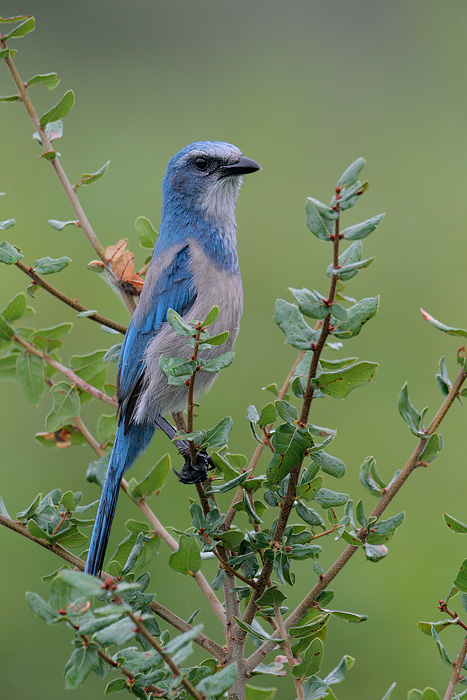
x=201, y=163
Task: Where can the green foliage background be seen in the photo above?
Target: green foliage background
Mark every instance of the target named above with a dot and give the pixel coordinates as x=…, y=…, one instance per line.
x=304, y=88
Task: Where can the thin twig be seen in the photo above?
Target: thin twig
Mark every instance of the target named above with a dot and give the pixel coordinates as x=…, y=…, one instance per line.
x=259, y=450
x=386, y=498
x=288, y=652
x=124, y=671
x=57, y=166
x=168, y=659
x=66, y=371
x=456, y=672
x=164, y=613
x=37, y=279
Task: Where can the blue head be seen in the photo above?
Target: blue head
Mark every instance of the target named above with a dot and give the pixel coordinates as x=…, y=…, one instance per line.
x=199, y=193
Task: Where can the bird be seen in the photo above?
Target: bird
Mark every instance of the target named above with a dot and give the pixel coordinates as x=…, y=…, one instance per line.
x=194, y=266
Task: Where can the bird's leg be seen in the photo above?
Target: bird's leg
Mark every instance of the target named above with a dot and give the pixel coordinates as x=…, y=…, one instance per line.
x=191, y=473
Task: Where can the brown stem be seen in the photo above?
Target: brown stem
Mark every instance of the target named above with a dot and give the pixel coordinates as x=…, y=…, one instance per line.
x=74, y=379
x=259, y=450
x=226, y=566
x=456, y=672
x=386, y=498
x=288, y=652
x=168, y=659
x=57, y=166
x=191, y=399
x=29, y=271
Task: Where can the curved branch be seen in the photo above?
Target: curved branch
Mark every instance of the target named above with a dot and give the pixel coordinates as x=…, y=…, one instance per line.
x=67, y=300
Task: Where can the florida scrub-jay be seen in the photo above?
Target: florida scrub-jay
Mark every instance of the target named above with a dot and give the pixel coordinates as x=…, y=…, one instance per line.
x=193, y=267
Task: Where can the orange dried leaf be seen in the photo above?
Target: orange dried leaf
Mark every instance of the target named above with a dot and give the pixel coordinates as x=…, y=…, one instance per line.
x=114, y=251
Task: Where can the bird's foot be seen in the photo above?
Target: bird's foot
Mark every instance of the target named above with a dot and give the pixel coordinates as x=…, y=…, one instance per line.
x=197, y=472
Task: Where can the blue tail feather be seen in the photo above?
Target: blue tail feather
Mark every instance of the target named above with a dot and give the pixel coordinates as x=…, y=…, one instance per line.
x=125, y=450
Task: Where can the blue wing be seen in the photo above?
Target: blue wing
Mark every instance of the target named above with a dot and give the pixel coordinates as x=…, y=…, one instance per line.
x=174, y=288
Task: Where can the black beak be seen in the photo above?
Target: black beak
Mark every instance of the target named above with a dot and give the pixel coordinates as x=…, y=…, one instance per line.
x=243, y=166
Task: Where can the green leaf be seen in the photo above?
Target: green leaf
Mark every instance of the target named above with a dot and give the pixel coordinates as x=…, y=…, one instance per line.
x=253, y=631
x=9, y=98
x=329, y=464
x=30, y=373
x=90, y=367
x=383, y=530
x=216, y=364
x=286, y=411
x=85, y=584
x=346, y=272
x=219, y=435
x=21, y=30
x=330, y=499
x=216, y=685
x=388, y=694
x=338, y=674
x=350, y=175
x=113, y=353
x=357, y=316
x=8, y=367
x=89, y=178
x=432, y=448
x=216, y=340
x=9, y=254
x=454, y=524
x=48, y=265
x=348, y=617
x=49, y=80
x=366, y=477
x=315, y=689
x=42, y=609
x=311, y=304
x=59, y=110
x=7, y=53
x=289, y=443
x=267, y=416
x=15, y=308
x=271, y=597
x=311, y=661
x=178, y=324
x=60, y=225
x=115, y=686
x=47, y=339
x=119, y=632
x=460, y=582
x=81, y=663
x=309, y=515
x=409, y=413
x=187, y=558
x=320, y=219
x=256, y=693
x=297, y=332
x=53, y=130
x=442, y=327
x=6, y=331
x=362, y=230
x=4, y=225
x=66, y=405
x=97, y=470
x=338, y=384
x=106, y=427
x=8, y=20
x=146, y=233
x=211, y=317
x=153, y=481
x=229, y=485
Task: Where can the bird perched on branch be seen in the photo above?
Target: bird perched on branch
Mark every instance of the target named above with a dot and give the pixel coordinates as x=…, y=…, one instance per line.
x=194, y=266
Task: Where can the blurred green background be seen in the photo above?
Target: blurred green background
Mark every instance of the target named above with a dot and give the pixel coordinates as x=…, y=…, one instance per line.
x=305, y=88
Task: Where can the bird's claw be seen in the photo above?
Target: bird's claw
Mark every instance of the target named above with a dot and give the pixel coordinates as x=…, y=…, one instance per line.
x=198, y=472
